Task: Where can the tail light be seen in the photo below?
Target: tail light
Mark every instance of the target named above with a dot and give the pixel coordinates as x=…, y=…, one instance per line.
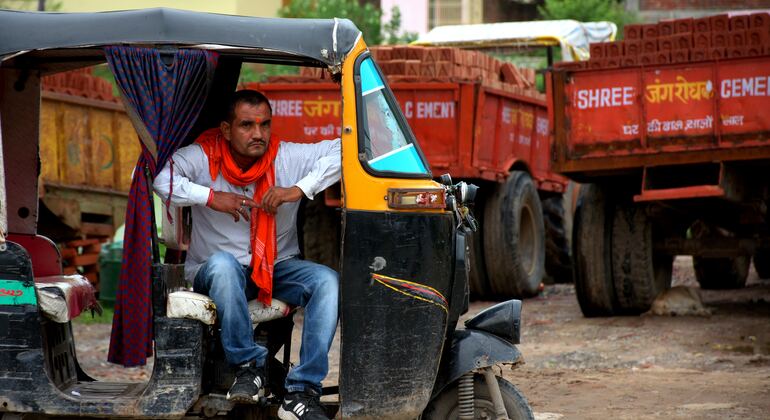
x=418, y=198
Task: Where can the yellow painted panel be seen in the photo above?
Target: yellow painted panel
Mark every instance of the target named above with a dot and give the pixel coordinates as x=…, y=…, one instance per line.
x=49, y=148
x=71, y=137
x=362, y=191
x=101, y=157
x=127, y=150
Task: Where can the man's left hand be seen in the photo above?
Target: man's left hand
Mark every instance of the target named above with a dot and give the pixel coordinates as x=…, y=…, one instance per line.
x=276, y=196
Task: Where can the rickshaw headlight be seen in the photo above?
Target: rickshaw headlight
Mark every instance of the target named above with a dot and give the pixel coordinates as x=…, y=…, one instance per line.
x=419, y=198
x=502, y=320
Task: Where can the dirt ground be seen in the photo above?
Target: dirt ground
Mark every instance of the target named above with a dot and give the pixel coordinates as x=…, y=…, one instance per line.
x=650, y=367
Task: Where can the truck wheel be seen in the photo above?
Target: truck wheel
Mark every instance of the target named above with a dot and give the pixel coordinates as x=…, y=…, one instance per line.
x=558, y=219
x=591, y=251
x=514, y=246
x=721, y=273
x=444, y=406
x=639, y=273
x=762, y=262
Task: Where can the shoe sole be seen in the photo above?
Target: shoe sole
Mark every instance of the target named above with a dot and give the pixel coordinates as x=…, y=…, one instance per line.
x=286, y=415
x=244, y=399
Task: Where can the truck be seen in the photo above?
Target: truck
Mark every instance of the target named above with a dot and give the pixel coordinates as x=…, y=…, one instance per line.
x=668, y=131
x=483, y=121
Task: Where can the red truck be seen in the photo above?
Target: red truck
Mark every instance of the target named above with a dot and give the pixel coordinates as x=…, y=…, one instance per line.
x=671, y=129
x=478, y=119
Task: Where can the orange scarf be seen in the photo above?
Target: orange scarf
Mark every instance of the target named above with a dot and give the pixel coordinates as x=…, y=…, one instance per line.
x=262, y=229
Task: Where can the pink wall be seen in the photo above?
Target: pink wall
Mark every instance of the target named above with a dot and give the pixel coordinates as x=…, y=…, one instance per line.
x=414, y=14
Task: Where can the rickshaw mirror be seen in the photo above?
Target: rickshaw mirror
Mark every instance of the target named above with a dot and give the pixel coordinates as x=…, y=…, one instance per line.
x=502, y=320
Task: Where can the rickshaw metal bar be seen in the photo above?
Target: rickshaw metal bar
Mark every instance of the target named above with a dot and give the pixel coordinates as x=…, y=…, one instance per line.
x=494, y=392
x=3, y=202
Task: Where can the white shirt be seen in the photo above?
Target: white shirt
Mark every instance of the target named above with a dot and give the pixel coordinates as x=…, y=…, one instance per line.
x=311, y=167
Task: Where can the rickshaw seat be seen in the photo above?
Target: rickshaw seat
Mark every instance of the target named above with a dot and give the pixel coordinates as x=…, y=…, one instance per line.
x=60, y=298
x=191, y=305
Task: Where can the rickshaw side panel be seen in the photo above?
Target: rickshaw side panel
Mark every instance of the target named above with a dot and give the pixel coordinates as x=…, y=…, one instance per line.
x=20, y=110
x=394, y=310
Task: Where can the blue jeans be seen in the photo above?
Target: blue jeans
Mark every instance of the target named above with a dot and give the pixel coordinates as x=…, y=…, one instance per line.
x=296, y=282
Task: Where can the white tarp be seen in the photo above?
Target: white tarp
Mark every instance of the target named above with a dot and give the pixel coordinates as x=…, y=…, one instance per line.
x=573, y=36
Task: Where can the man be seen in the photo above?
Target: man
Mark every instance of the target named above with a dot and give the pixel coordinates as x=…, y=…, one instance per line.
x=244, y=190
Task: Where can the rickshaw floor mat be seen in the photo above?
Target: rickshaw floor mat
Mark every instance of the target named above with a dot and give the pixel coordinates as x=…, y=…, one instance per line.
x=101, y=390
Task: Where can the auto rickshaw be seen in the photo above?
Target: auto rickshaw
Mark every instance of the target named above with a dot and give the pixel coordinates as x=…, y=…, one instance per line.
x=403, y=266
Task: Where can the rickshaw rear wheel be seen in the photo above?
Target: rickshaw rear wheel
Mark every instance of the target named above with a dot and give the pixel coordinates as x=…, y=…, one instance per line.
x=445, y=405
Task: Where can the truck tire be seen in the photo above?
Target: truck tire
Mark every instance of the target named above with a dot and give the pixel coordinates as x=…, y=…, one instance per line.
x=721, y=273
x=514, y=245
x=639, y=273
x=591, y=241
x=762, y=262
x=558, y=211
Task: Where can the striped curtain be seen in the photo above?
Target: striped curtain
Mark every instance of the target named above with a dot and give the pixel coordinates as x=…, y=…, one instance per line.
x=163, y=98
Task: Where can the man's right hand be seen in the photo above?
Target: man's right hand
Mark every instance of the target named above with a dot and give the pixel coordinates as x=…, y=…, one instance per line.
x=237, y=205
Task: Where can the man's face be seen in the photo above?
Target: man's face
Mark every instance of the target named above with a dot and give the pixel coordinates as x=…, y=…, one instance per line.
x=249, y=132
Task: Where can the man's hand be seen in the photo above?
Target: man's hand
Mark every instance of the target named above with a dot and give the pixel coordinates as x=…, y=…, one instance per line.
x=235, y=204
x=276, y=196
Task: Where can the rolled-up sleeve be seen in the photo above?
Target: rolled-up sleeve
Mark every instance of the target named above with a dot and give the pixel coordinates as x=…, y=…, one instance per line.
x=187, y=162
x=316, y=166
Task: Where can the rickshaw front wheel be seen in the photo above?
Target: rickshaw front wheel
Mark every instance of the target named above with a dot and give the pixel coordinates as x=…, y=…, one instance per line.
x=445, y=405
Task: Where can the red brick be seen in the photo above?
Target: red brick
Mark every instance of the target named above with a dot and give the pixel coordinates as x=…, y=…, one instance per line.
x=632, y=48
x=718, y=53
x=736, y=52
x=662, y=57
x=508, y=73
x=737, y=38
x=632, y=32
x=680, y=56
x=650, y=46
x=701, y=39
x=720, y=23
x=428, y=69
x=612, y=62
x=398, y=53
x=629, y=61
x=396, y=68
x=699, y=55
x=614, y=49
x=757, y=37
x=683, y=26
x=666, y=28
x=682, y=41
x=412, y=68
x=597, y=50
x=444, y=69
x=701, y=25
x=753, y=50
x=647, y=59
x=596, y=64
x=452, y=55
x=430, y=55
x=739, y=23
x=719, y=40
x=759, y=21
x=665, y=43
x=649, y=31
x=415, y=53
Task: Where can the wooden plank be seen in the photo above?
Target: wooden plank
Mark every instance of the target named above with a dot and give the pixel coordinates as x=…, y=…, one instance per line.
x=71, y=139
x=67, y=253
x=96, y=229
x=68, y=271
x=93, y=249
x=93, y=278
x=127, y=150
x=49, y=147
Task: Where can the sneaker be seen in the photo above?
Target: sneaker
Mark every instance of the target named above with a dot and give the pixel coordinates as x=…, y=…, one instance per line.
x=248, y=384
x=302, y=405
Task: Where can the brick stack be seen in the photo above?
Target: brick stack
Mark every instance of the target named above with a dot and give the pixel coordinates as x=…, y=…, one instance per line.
x=684, y=41
x=80, y=83
x=82, y=256
x=404, y=64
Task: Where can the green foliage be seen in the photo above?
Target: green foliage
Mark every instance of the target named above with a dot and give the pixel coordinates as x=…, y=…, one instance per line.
x=366, y=17
x=88, y=318
x=588, y=11
x=392, y=28
x=31, y=5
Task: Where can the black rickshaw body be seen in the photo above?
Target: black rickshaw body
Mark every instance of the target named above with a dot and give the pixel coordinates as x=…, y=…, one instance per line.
x=403, y=266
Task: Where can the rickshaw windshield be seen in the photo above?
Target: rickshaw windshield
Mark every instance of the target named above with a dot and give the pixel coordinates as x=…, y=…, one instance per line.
x=388, y=146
